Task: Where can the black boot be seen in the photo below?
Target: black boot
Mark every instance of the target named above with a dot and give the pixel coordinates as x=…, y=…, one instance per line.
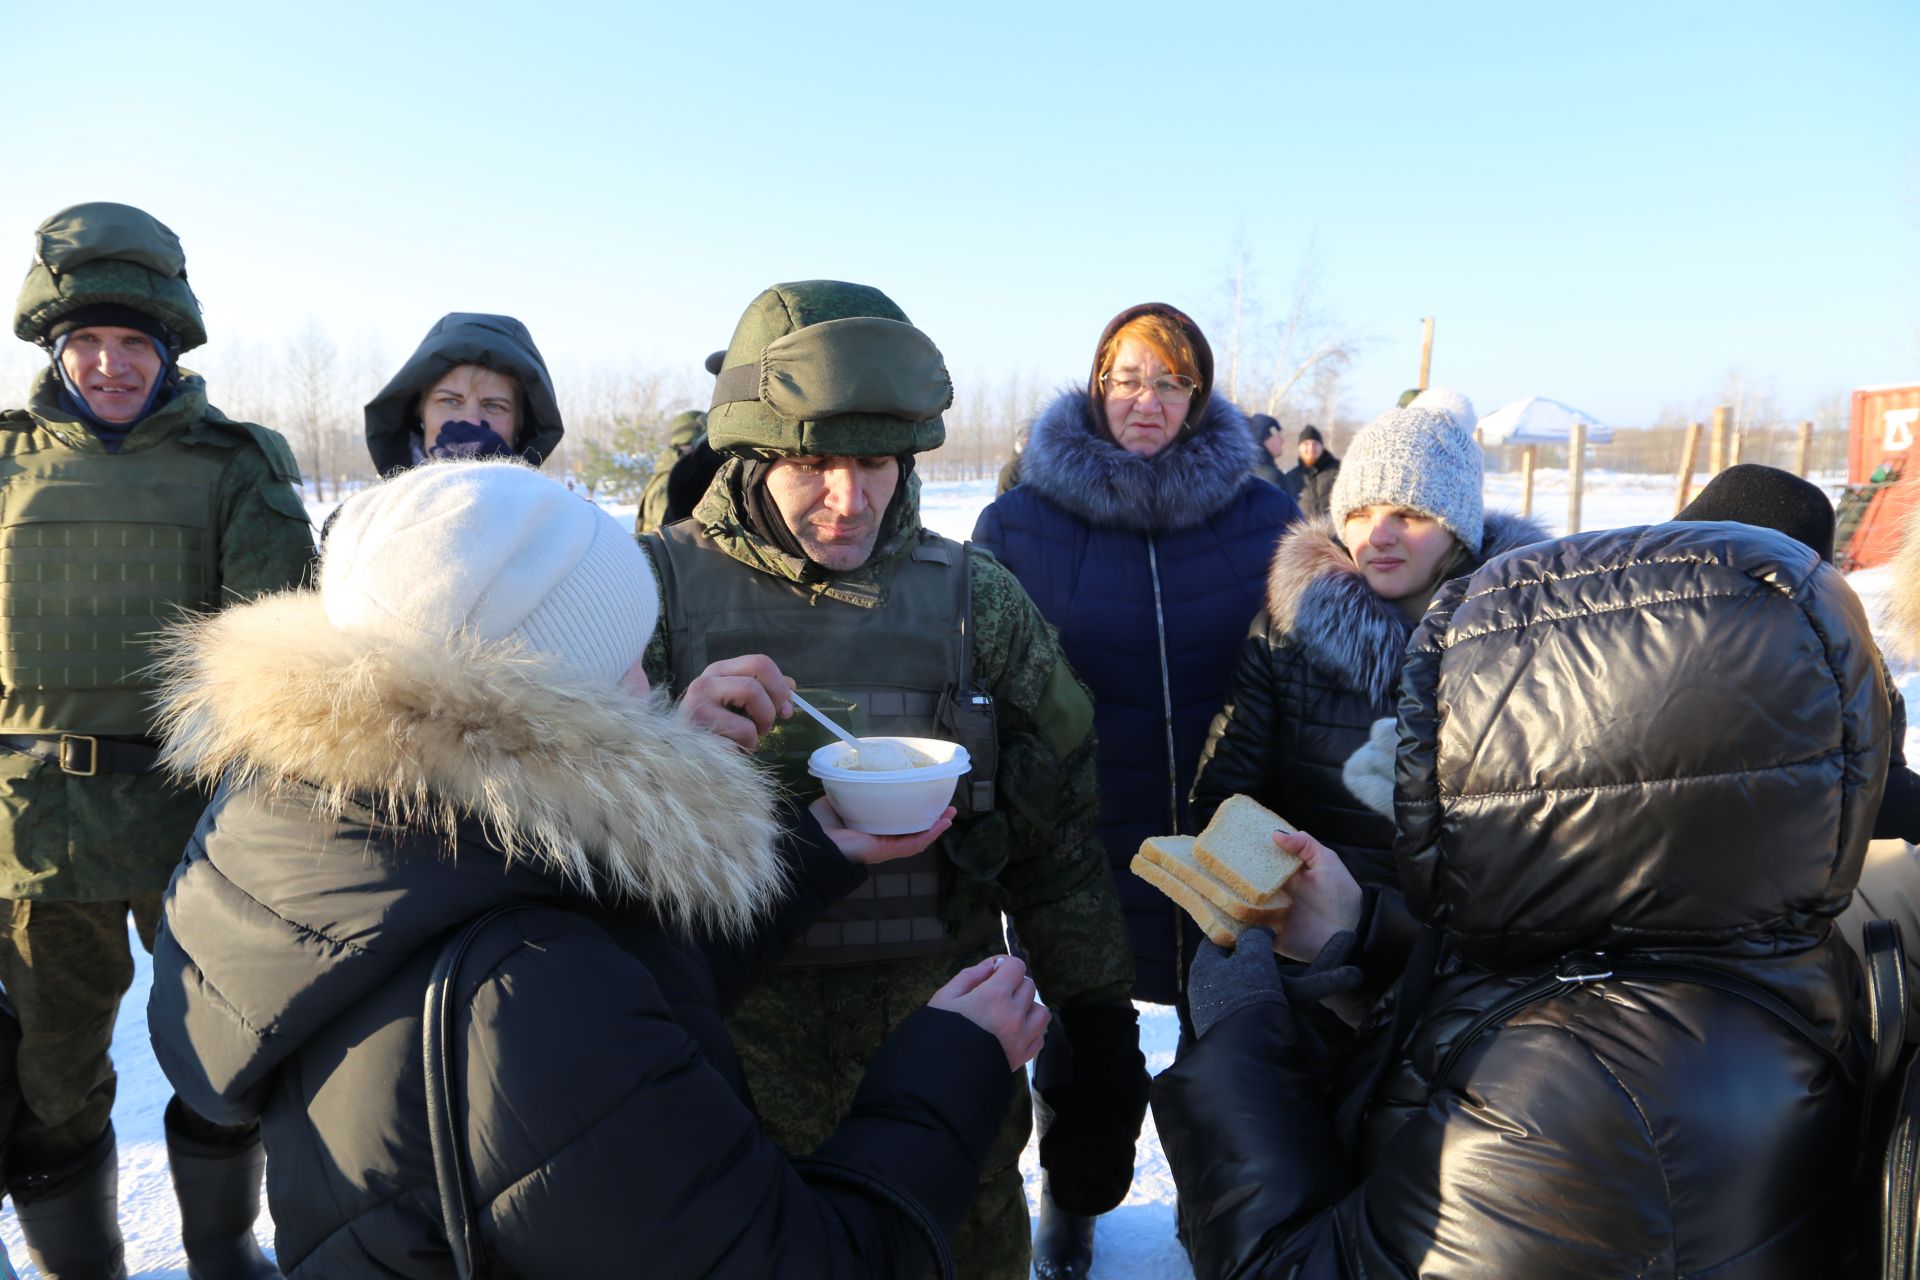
x=218, y=1186
x=1062, y=1241
x=69, y=1216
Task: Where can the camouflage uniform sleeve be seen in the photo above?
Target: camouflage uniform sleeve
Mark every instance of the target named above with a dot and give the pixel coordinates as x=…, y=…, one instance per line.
x=1056, y=884
x=657, y=661
x=266, y=541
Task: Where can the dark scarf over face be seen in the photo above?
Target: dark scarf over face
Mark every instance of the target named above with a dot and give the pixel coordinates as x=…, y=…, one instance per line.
x=763, y=518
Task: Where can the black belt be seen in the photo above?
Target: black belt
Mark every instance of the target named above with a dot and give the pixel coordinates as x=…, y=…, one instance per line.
x=84, y=754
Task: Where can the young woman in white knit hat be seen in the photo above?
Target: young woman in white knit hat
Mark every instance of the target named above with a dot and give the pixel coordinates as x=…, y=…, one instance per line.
x=456, y=723
x=1308, y=726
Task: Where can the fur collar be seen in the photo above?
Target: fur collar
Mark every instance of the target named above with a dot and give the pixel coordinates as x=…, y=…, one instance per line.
x=1903, y=601
x=1320, y=602
x=1070, y=461
x=613, y=795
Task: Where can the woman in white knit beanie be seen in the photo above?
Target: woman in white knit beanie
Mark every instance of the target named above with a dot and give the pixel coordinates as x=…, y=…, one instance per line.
x=1308, y=729
x=436, y=762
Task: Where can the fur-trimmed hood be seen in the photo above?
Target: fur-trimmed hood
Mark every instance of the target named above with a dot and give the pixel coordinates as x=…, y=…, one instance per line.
x=611, y=795
x=1903, y=600
x=1072, y=462
x=1320, y=601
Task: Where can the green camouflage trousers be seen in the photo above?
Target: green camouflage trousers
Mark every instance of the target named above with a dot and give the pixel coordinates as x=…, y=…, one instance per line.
x=65, y=966
x=805, y=1037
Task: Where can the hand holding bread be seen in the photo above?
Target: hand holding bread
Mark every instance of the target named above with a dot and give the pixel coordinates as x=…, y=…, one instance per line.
x=1230, y=877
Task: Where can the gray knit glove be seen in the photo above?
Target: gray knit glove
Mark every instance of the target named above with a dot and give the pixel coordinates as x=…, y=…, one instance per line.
x=1223, y=982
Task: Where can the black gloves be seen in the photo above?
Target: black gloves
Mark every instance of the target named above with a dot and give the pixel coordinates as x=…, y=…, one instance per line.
x=1223, y=982
x=1091, y=1081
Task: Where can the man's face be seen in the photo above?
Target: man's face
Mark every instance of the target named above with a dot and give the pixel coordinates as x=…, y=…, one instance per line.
x=1276, y=445
x=114, y=368
x=1310, y=451
x=473, y=394
x=834, y=505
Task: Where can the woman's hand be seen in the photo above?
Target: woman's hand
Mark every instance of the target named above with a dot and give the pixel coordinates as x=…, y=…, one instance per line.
x=738, y=698
x=1326, y=898
x=997, y=996
x=870, y=850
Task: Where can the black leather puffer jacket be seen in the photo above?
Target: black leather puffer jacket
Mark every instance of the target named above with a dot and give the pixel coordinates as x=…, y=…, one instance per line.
x=1661, y=744
x=1318, y=671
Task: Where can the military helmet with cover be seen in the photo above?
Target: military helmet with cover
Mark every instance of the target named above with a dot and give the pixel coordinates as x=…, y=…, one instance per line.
x=685, y=429
x=106, y=255
x=826, y=368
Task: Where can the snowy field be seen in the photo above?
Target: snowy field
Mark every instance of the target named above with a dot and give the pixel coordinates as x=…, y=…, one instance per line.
x=1135, y=1242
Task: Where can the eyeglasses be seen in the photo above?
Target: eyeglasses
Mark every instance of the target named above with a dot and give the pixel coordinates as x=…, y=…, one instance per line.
x=1169, y=388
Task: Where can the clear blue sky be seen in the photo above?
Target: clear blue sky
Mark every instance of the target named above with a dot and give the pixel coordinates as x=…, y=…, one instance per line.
x=1613, y=205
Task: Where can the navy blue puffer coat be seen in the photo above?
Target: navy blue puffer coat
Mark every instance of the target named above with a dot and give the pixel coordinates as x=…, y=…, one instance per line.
x=1151, y=568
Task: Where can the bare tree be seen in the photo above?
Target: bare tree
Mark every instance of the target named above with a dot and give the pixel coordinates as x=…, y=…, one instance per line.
x=1309, y=340
x=312, y=407
x=1239, y=284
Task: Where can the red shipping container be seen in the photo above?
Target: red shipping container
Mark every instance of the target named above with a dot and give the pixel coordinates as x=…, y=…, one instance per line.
x=1884, y=423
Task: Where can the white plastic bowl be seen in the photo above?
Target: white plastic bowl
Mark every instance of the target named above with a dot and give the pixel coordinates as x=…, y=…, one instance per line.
x=897, y=802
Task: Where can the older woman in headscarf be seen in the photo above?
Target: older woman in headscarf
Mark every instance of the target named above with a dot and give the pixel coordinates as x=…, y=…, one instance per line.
x=1140, y=530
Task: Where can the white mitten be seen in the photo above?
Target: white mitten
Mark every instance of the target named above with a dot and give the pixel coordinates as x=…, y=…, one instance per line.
x=1368, y=772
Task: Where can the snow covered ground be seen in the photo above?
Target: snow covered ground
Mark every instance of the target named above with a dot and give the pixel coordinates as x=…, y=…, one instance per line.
x=1135, y=1242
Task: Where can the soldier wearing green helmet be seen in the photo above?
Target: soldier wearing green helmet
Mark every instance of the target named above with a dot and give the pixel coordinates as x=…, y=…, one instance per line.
x=126, y=499
x=686, y=432
x=808, y=548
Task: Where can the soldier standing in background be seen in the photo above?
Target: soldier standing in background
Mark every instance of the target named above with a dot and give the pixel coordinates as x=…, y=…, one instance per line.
x=127, y=498
x=685, y=433
x=808, y=548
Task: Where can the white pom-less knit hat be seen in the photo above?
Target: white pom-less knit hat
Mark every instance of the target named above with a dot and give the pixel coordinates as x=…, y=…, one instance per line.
x=1423, y=458
x=495, y=550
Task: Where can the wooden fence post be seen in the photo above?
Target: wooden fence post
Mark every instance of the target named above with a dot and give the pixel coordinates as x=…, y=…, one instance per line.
x=1803, y=450
x=1576, y=467
x=1526, y=479
x=1733, y=447
x=1717, y=451
x=1689, y=454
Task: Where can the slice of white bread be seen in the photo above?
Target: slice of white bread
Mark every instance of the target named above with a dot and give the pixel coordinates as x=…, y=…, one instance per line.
x=1175, y=855
x=1238, y=848
x=1215, y=923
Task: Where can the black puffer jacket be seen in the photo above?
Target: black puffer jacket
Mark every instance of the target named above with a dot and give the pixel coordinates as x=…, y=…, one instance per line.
x=1317, y=679
x=1664, y=745
x=378, y=799
x=1312, y=486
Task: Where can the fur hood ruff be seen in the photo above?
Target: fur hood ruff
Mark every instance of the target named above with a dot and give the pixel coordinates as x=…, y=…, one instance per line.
x=1070, y=460
x=1318, y=599
x=1903, y=599
x=613, y=795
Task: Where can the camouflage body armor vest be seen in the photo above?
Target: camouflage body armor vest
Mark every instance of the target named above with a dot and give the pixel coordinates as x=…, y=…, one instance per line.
x=97, y=552
x=903, y=668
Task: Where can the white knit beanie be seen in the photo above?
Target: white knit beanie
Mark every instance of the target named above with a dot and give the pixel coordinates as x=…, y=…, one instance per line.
x=1423, y=458
x=498, y=551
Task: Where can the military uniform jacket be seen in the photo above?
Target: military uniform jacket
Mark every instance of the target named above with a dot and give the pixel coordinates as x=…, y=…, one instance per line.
x=98, y=551
x=1034, y=855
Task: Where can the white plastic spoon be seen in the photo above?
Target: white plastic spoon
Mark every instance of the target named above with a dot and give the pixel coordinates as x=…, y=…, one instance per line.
x=814, y=711
x=882, y=752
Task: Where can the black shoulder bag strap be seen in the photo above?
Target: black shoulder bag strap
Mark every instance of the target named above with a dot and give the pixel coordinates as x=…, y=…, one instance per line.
x=1893, y=1104
x=445, y=1130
